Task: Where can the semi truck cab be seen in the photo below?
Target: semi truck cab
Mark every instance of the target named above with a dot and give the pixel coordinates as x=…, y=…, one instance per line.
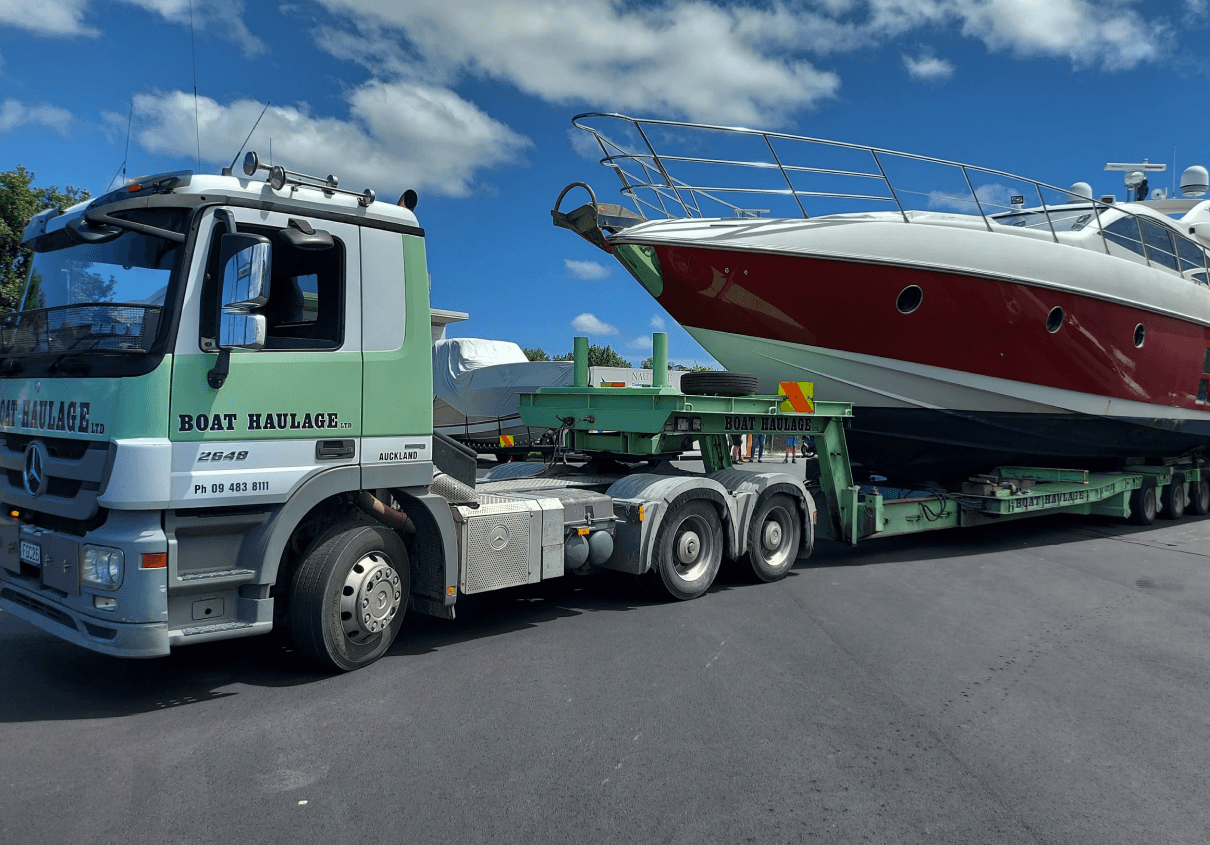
x=216, y=419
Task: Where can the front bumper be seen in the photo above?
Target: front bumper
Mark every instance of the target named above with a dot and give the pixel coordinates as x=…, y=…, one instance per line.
x=122, y=639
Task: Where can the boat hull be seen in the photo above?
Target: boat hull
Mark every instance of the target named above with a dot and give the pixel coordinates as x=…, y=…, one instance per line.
x=971, y=378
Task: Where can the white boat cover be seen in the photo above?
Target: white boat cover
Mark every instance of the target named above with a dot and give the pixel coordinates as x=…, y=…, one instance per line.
x=482, y=378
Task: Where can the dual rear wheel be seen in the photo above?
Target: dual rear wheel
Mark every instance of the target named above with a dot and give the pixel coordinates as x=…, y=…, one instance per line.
x=689, y=545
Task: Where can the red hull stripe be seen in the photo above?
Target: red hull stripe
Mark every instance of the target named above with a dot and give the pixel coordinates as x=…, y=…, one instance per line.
x=976, y=325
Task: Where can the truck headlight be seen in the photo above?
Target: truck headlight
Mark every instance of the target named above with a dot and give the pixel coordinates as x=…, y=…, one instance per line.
x=102, y=567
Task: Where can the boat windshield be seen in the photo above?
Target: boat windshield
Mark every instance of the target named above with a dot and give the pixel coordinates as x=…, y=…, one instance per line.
x=1064, y=219
x=98, y=296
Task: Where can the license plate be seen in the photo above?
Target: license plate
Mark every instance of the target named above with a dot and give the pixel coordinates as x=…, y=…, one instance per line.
x=31, y=553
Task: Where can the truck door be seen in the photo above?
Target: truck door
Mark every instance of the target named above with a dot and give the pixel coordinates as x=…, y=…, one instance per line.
x=286, y=412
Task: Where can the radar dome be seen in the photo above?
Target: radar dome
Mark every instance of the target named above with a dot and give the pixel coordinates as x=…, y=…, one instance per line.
x=1079, y=192
x=1194, y=182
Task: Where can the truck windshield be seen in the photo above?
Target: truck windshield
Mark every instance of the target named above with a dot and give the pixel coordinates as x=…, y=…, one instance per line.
x=107, y=296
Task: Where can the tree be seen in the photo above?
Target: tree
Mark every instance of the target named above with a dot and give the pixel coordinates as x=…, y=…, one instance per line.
x=599, y=356
x=535, y=354
x=18, y=201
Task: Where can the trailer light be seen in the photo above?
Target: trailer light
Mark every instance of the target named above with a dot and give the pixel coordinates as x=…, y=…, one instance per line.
x=682, y=424
x=582, y=531
x=154, y=560
x=449, y=591
x=15, y=514
x=696, y=424
x=642, y=512
x=102, y=567
x=104, y=602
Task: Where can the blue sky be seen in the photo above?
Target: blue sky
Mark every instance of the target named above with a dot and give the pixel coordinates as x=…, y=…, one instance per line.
x=470, y=104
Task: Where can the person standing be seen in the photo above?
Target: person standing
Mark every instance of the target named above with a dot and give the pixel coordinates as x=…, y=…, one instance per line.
x=736, y=457
x=760, y=448
x=791, y=449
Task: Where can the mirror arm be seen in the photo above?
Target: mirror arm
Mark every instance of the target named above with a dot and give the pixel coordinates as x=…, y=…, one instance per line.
x=217, y=377
x=96, y=215
x=225, y=215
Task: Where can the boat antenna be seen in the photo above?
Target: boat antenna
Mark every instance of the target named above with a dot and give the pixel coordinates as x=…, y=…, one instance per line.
x=197, y=126
x=126, y=155
x=227, y=171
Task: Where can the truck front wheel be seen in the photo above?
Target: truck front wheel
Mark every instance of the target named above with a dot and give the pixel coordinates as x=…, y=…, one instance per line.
x=773, y=538
x=688, y=549
x=349, y=596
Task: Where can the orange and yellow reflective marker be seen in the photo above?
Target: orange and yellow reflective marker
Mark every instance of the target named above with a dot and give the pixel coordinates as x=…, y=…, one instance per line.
x=506, y=440
x=799, y=396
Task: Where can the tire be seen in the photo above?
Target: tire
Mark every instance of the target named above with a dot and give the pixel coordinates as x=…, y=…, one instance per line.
x=354, y=567
x=688, y=550
x=1143, y=503
x=1199, y=495
x=718, y=384
x=774, y=535
x=1173, y=498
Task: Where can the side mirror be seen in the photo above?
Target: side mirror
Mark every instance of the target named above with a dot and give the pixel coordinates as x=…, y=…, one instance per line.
x=246, y=272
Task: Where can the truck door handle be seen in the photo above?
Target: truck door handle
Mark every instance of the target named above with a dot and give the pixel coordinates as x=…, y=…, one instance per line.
x=329, y=450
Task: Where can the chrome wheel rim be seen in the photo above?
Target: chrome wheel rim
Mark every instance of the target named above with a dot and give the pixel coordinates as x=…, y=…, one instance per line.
x=370, y=598
x=691, y=549
x=775, y=536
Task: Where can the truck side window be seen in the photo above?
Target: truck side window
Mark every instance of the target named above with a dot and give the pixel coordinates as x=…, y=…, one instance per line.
x=306, y=294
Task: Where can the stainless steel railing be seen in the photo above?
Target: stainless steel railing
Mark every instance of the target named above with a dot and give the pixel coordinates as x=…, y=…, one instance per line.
x=649, y=182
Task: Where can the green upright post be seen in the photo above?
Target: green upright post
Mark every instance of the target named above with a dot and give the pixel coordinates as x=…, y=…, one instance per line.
x=659, y=366
x=581, y=361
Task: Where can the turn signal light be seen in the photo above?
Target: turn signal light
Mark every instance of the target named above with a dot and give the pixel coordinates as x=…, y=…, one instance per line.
x=154, y=560
x=14, y=514
x=449, y=591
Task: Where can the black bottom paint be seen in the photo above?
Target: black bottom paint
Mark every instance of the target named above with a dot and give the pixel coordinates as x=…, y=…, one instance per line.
x=948, y=445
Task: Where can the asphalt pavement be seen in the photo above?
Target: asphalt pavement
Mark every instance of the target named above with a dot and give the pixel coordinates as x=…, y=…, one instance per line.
x=1044, y=681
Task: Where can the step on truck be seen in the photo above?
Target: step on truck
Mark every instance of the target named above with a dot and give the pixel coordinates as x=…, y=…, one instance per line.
x=216, y=411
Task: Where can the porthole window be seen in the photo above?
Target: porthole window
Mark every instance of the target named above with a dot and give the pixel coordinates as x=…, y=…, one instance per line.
x=1054, y=320
x=1140, y=335
x=909, y=299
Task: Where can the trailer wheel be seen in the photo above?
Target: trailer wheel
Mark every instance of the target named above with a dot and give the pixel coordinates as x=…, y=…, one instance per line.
x=1173, y=497
x=773, y=538
x=1142, y=503
x=688, y=549
x=349, y=596
x=718, y=384
x=1199, y=495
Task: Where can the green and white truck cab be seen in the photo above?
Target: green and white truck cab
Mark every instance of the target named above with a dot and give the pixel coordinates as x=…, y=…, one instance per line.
x=216, y=412
x=154, y=499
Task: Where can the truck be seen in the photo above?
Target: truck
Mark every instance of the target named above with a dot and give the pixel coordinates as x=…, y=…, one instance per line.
x=216, y=410
x=216, y=405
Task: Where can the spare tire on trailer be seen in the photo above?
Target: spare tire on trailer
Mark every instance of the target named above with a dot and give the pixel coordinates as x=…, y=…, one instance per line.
x=718, y=384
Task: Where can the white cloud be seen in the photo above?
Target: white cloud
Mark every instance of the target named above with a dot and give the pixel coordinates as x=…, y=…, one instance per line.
x=927, y=68
x=395, y=136
x=589, y=324
x=686, y=57
x=586, y=270
x=1, y=63
x=657, y=322
x=993, y=197
x=14, y=113
x=224, y=17
x=1079, y=30
x=585, y=144
x=46, y=17
x=640, y=344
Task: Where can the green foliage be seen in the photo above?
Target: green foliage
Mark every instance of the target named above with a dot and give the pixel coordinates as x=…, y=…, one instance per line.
x=648, y=363
x=599, y=356
x=19, y=200
x=536, y=354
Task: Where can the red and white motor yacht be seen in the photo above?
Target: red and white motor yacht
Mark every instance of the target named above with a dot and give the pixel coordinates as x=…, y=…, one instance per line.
x=995, y=320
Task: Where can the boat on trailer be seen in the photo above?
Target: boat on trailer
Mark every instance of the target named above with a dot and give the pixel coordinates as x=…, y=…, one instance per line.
x=972, y=317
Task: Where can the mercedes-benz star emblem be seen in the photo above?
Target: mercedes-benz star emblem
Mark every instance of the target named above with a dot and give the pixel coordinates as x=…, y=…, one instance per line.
x=34, y=474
